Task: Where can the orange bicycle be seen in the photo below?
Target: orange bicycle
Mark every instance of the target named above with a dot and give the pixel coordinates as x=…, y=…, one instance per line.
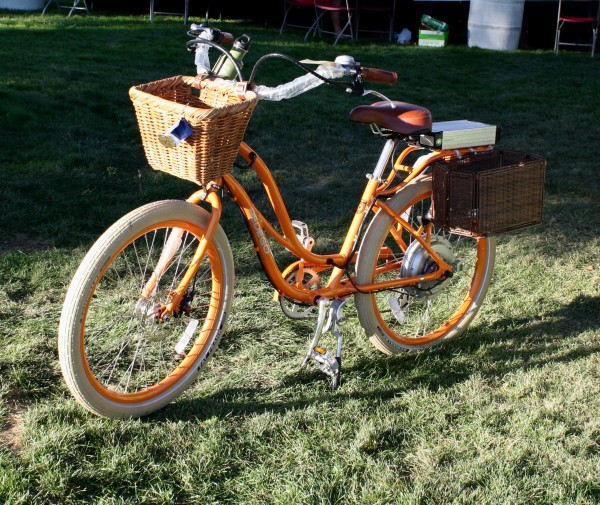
x=150, y=301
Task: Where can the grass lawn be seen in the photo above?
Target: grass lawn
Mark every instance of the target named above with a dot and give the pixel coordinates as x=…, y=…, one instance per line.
x=508, y=413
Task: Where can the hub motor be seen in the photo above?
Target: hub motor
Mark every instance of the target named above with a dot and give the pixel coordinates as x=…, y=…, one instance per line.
x=417, y=261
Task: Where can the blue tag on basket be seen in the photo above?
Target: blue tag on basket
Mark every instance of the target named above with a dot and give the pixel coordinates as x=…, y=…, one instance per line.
x=173, y=137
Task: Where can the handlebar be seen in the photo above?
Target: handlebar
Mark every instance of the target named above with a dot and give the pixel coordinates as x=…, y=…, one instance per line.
x=227, y=38
x=230, y=63
x=212, y=34
x=379, y=76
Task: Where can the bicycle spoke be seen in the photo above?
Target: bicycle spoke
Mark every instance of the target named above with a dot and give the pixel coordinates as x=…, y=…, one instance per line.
x=132, y=350
x=115, y=338
x=415, y=311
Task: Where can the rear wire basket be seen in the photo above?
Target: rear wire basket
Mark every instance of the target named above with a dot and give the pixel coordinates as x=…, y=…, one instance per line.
x=217, y=115
x=488, y=193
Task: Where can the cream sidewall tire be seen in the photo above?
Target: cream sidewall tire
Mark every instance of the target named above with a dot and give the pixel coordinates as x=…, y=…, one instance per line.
x=72, y=356
x=367, y=257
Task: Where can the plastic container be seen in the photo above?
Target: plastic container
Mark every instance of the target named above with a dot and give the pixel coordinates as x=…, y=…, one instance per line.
x=434, y=24
x=495, y=24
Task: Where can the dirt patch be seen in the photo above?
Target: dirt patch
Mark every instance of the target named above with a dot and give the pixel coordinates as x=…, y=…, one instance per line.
x=10, y=436
x=22, y=243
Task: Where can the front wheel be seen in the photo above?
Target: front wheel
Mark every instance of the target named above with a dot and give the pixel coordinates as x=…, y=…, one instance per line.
x=119, y=355
x=426, y=314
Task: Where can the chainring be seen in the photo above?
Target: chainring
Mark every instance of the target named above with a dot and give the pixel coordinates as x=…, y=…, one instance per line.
x=294, y=309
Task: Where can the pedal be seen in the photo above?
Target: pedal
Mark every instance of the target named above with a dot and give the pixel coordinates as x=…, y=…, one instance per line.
x=303, y=235
x=330, y=365
x=325, y=362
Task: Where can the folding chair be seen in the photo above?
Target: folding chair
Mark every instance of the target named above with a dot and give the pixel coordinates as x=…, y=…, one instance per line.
x=72, y=6
x=288, y=5
x=185, y=13
x=373, y=9
x=336, y=8
x=587, y=15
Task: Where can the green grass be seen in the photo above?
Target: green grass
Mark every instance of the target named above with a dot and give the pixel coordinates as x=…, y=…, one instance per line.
x=508, y=413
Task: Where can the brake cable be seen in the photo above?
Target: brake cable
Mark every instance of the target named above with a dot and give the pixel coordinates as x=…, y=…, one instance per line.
x=340, y=84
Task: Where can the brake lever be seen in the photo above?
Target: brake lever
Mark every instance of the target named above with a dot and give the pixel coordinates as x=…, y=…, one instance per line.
x=380, y=95
x=356, y=87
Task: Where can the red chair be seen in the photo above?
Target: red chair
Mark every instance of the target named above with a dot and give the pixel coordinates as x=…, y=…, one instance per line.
x=288, y=5
x=373, y=9
x=336, y=8
x=589, y=16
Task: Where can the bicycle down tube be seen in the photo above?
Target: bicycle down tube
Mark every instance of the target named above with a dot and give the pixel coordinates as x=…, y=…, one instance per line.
x=337, y=287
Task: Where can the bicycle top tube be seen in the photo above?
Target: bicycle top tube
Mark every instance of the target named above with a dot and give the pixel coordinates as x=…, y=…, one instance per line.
x=340, y=283
x=396, y=121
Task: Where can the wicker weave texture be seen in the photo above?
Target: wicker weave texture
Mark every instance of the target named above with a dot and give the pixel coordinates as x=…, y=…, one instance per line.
x=489, y=193
x=218, y=118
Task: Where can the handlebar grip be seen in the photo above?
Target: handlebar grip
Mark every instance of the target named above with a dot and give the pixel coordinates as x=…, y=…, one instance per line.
x=380, y=76
x=226, y=38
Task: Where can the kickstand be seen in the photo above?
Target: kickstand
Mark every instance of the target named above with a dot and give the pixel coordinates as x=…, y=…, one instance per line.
x=331, y=365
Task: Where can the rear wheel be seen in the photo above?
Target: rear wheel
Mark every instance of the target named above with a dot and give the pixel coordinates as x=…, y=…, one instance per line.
x=423, y=315
x=119, y=356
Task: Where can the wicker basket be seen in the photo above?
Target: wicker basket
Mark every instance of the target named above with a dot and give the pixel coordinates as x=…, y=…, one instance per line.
x=217, y=116
x=488, y=193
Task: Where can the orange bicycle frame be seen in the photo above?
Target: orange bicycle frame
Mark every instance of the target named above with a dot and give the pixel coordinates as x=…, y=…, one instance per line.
x=339, y=284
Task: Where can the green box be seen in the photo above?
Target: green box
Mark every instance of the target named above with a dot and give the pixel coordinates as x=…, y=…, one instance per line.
x=433, y=38
x=433, y=24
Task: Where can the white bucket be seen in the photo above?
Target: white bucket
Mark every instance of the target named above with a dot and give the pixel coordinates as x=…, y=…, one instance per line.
x=22, y=5
x=495, y=24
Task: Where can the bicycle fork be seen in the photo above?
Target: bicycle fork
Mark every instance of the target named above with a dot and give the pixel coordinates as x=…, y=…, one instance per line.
x=171, y=248
x=330, y=365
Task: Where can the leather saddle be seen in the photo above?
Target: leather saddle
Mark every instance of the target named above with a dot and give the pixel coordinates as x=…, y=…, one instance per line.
x=400, y=117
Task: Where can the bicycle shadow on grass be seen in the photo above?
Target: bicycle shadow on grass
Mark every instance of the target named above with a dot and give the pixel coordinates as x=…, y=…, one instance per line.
x=506, y=346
